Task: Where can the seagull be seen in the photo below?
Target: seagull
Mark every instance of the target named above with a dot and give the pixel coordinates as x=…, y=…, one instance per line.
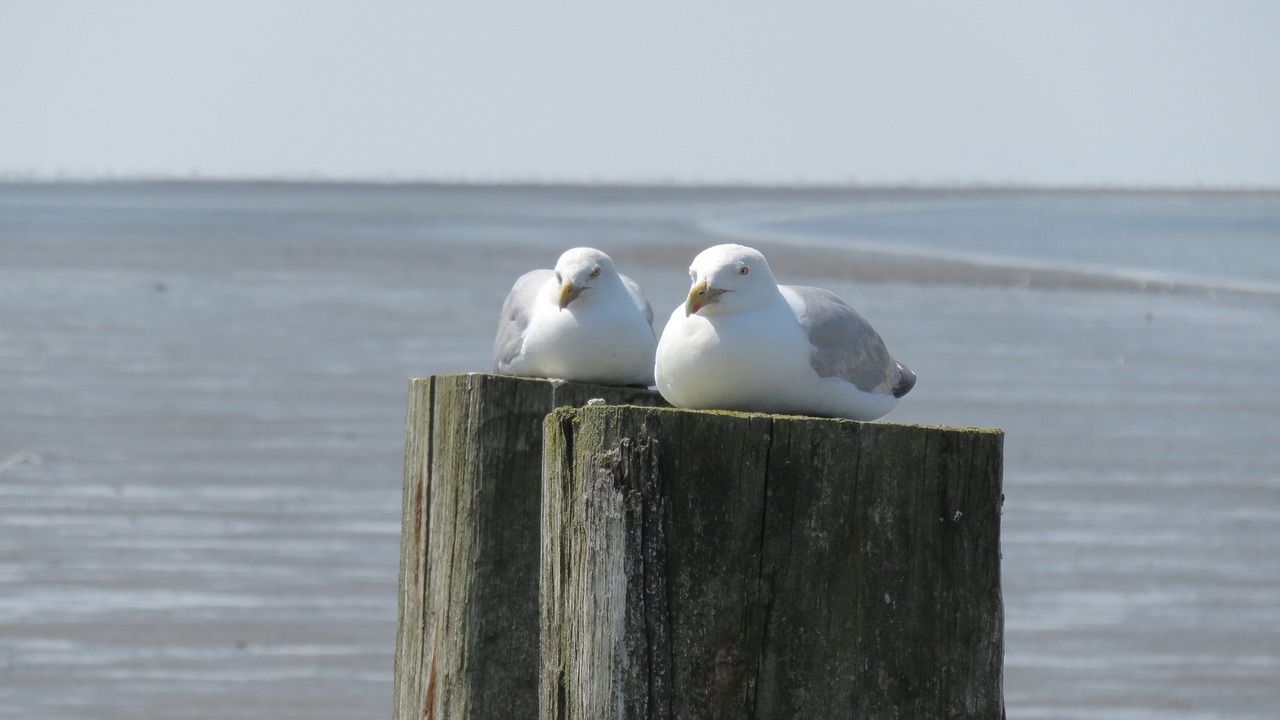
x=740, y=341
x=582, y=321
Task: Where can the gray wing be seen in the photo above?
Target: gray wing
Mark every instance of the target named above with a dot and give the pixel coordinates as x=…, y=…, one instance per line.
x=515, y=317
x=845, y=345
x=637, y=295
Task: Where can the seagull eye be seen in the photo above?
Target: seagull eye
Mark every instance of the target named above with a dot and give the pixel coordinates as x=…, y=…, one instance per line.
x=595, y=273
x=743, y=270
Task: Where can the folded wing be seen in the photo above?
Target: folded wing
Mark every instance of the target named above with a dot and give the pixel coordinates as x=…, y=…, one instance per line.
x=515, y=317
x=844, y=344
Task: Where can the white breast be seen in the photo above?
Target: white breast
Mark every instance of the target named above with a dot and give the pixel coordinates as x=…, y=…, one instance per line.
x=731, y=362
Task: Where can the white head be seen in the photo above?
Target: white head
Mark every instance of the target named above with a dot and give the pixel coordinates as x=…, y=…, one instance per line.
x=728, y=279
x=580, y=271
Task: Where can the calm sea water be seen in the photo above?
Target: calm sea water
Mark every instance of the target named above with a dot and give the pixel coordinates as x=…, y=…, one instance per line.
x=202, y=391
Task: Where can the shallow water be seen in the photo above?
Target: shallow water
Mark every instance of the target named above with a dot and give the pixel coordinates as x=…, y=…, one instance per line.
x=1227, y=239
x=207, y=385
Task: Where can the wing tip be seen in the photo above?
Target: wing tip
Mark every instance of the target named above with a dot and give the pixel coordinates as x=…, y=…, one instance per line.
x=906, y=380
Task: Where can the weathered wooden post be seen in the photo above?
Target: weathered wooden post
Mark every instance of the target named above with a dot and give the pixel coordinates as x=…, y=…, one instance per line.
x=725, y=565
x=467, y=642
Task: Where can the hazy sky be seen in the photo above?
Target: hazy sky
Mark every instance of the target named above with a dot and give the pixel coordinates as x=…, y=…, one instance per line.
x=1165, y=93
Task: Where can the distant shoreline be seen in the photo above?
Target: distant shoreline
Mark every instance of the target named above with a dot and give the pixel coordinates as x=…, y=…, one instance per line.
x=812, y=189
x=711, y=214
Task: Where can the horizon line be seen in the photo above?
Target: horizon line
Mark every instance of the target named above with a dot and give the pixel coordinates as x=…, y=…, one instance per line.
x=37, y=178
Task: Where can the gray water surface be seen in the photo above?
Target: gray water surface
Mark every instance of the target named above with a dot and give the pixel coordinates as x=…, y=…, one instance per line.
x=202, y=395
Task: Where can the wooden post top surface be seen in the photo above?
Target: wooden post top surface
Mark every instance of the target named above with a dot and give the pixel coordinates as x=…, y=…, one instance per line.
x=558, y=392
x=735, y=416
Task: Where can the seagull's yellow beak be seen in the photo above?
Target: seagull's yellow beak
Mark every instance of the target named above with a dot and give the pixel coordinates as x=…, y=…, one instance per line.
x=700, y=296
x=568, y=293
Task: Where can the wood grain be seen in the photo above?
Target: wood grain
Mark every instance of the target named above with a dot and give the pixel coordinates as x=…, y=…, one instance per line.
x=467, y=638
x=728, y=565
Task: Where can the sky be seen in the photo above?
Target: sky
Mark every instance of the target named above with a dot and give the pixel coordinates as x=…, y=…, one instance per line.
x=1117, y=93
